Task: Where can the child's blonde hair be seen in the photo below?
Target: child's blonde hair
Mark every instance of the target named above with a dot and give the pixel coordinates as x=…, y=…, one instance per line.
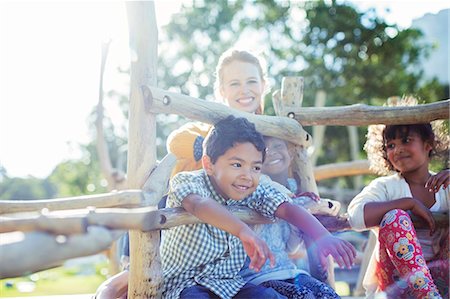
x=375, y=145
x=240, y=55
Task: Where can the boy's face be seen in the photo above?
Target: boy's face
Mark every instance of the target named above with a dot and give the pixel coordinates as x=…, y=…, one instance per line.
x=235, y=175
x=278, y=157
x=242, y=86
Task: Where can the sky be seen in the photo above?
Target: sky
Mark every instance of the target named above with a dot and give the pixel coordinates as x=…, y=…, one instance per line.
x=50, y=66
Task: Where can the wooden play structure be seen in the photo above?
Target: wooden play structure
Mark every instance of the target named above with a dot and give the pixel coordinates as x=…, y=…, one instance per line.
x=56, y=224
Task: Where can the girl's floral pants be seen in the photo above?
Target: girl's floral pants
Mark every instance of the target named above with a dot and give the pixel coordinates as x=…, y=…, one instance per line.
x=402, y=271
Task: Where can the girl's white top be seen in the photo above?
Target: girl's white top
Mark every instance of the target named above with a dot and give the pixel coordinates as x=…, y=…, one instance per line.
x=385, y=189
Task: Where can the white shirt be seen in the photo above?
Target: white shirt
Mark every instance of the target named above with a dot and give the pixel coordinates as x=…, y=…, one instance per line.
x=386, y=189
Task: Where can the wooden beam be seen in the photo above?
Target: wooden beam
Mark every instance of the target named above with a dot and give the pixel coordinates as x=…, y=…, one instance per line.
x=147, y=219
x=124, y=198
x=24, y=253
x=334, y=170
x=162, y=101
x=364, y=115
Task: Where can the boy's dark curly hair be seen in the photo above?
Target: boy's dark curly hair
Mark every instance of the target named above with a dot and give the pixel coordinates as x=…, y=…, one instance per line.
x=379, y=135
x=227, y=133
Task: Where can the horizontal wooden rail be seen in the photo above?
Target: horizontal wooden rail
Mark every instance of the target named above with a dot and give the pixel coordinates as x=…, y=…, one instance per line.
x=125, y=198
x=334, y=170
x=137, y=198
x=162, y=101
x=25, y=253
x=364, y=115
x=145, y=219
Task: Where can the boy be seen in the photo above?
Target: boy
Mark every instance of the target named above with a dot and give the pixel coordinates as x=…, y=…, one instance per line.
x=204, y=259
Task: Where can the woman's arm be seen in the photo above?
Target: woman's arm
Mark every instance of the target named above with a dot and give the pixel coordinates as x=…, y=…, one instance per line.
x=213, y=213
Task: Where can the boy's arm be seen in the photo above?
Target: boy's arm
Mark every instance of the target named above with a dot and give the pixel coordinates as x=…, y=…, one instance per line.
x=343, y=252
x=213, y=213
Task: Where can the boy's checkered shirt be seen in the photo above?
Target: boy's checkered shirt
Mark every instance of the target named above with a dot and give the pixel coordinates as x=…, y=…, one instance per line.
x=201, y=254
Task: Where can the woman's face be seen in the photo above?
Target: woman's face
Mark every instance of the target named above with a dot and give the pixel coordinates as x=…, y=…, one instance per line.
x=242, y=86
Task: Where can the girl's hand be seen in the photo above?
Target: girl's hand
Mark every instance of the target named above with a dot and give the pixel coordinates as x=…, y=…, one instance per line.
x=422, y=211
x=342, y=251
x=441, y=179
x=256, y=249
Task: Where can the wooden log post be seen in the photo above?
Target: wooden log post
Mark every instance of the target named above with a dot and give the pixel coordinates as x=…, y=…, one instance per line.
x=354, y=154
x=318, y=131
x=145, y=265
x=292, y=96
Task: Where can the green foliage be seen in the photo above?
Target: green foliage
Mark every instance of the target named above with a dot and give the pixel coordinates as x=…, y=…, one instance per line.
x=25, y=188
x=355, y=57
x=56, y=281
x=74, y=178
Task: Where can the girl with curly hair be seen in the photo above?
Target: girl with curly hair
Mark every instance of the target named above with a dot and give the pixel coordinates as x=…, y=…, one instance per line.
x=407, y=262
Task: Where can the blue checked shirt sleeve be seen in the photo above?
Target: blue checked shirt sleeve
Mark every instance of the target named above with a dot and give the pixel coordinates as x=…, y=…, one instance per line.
x=266, y=200
x=182, y=185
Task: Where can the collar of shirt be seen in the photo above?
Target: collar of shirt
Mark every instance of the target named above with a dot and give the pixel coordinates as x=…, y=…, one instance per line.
x=214, y=194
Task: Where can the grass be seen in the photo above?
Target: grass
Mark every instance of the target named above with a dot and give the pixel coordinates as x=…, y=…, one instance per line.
x=75, y=280
x=57, y=281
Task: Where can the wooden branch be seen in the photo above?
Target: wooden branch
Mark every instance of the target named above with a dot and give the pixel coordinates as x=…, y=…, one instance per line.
x=292, y=94
x=363, y=115
x=145, y=266
x=162, y=101
x=76, y=221
x=125, y=198
x=147, y=219
x=157, y=183
x=334, y=170
x=340, y=223
x=26, y=253
x=318, y=131
x=114, y=177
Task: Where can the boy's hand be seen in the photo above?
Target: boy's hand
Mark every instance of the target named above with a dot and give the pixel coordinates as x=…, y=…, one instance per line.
x=441, y=179
x=256, y=249
x=342, y=251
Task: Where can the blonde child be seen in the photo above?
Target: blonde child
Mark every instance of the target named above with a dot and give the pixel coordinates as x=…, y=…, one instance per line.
x=407, y=262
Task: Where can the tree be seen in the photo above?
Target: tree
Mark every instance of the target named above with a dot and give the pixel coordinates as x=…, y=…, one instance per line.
x=355, y=57
x=25, y=188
